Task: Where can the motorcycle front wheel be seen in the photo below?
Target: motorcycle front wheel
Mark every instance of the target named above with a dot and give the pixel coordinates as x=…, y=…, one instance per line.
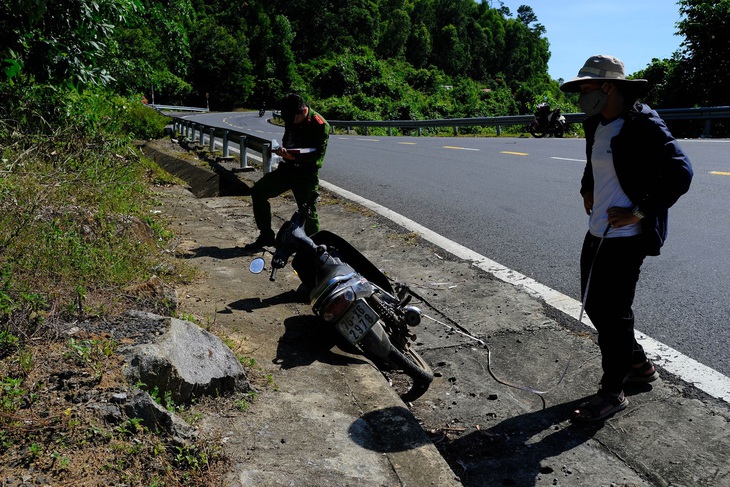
x=537, y=131
x=377, y=345
x=414, y=367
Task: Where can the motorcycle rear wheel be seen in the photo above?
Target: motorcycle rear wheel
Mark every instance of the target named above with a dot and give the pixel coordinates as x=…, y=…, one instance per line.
x=537, y=131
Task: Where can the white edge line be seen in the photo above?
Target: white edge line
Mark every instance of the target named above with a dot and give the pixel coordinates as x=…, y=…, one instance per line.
x=704, y=378
x=567, y=159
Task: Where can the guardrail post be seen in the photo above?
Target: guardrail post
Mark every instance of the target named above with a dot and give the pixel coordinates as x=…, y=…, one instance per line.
x=266, y=158
x=420, y=131
x=202, y=133
x=225, y=143
x=456, y=130
x=499, y=130
x=390, y=130
x=707, y=132
x=212, y=139
x=194, y=130
x=242, y=147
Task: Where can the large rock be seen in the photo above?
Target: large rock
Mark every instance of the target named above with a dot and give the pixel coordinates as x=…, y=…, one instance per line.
x=185, y=362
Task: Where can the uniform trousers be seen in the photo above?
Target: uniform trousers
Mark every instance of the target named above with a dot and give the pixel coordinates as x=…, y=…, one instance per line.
x=302, y=182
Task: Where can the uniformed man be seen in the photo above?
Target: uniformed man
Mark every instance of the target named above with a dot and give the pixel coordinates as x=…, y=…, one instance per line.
x=303, y=149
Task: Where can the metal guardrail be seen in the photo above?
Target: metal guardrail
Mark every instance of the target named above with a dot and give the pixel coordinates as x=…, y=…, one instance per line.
x=707, y=114
x=173, y=108
x=197, y=132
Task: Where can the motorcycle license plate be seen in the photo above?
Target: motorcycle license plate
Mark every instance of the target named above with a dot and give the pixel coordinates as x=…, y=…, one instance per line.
x=357, y=321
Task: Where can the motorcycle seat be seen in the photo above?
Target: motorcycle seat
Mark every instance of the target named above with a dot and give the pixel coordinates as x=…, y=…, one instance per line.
x=328, y=277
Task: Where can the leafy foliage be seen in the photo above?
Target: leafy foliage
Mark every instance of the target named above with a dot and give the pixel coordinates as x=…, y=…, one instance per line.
x=246, y=54
x=695, y=75
x=60, y=42
x=363, y=53
x=72, y=196
x=706, y=59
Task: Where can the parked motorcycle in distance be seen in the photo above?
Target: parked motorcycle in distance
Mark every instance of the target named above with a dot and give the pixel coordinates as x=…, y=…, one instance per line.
x=350, y=293
x=547, y=122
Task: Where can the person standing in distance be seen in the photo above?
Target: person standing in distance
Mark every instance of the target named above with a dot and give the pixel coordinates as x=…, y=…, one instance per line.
x=635, y=172
x=298, y=171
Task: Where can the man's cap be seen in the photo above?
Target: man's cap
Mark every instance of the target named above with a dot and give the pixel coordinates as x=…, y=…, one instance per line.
x=602, y=67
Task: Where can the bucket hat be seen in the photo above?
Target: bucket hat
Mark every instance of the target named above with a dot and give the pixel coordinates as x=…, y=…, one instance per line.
x=602, y=67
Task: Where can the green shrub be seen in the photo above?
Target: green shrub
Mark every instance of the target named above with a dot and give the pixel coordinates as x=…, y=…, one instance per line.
x=74, y=202
x=142, y=121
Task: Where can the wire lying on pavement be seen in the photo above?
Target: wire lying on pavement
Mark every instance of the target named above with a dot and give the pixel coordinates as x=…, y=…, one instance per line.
x=457, y=328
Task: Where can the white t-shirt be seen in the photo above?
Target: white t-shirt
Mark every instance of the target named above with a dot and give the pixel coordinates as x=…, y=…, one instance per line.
x=607, y=191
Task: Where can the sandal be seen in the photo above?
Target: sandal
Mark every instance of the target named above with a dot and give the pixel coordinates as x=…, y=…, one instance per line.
x=642, y=375
x=600, y=406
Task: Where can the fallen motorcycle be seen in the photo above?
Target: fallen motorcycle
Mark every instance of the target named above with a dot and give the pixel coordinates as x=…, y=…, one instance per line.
x=349, y=292
x=547, y=122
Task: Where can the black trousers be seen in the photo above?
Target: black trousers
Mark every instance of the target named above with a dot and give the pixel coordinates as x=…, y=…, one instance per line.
x=614, y=271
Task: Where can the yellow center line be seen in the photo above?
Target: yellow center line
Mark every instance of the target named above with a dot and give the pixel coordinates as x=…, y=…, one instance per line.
x=459, y=148
x=407, y=143
x=369, y=140
x=515, y=153
x=720, y=173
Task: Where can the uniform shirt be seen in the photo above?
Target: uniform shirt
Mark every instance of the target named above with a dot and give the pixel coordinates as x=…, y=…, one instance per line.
x=314, y=133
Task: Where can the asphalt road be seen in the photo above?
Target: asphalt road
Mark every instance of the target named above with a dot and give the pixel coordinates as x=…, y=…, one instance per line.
x=516, y=201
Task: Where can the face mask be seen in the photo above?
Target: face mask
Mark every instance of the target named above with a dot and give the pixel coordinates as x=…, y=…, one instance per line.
x=592, y=103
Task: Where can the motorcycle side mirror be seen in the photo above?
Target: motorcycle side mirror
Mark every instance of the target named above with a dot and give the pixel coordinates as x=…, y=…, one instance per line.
x=257, y=265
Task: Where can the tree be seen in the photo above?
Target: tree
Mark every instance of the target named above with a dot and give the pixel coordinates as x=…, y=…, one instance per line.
x=706, y=59
x=60, y=42
x=419, y=46
x=221, y=68
x=527, y=16
x=154, y=51
x=394, y=33
x=665, y=88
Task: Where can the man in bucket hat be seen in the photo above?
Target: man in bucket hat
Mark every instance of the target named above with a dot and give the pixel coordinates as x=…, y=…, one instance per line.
x=635, y=171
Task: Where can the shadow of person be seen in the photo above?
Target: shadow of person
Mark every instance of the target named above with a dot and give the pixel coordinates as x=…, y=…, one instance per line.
x=388, y=430
x=221, y=254
x=307, y=339
x=251, y=304
x=514, y=451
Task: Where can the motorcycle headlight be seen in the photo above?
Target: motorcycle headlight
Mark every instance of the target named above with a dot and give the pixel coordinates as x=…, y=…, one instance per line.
x=338, y=304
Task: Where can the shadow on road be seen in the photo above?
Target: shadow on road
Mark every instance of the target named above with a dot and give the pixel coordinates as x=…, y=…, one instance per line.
x=251, y=304
x=307, y=340
x=376, y=431
x=222, y=254
x=517, y=450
